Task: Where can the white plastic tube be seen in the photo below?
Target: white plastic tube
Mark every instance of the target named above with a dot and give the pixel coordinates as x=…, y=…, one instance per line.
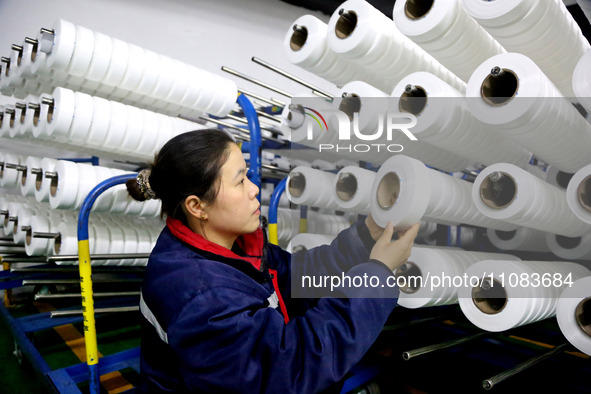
x=445, y=266
x=306, y=241
x=572, y=313
x=26, y=64
x=510, y=92
x=444, y=29
x=308, y=186
x=586, y=7
x=363, y=34
x=28, y=179
x=570, y=248
x=87, y=180
x=29, y=118
x=60, y=114
x=405, y=190
x=558, y=178
x=24, y=216
x=37, y=246
x=99, y=126
x=352, y=187
x=40, y=120
x=582, y=79
x=83, y=51
x=367, y=106
x=64, y=187
x=305, y=45
x=444, y=120
x=578, y=194
x=10, y=177
x=12, y=211
x=521, y=239
x=67, y=241
x=42, y=184
x=544, y=31
x=506, y=192
x=64, y=41
x=511, y=294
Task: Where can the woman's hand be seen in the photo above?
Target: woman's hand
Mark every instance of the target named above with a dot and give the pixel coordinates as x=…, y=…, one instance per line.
x=394, y=253
x=374, y=230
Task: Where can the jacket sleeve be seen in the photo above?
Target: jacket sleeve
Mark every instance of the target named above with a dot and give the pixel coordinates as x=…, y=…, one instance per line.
x=350, y=248
x=228, y=341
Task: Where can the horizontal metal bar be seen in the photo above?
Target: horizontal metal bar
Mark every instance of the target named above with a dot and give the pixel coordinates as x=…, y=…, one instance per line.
x=23, y=259
x=272, y=168
x=256, y=81
x=29, y=282
x=290, y=76
x=242, y=136
x=241, y=120
x=94, y=295
x=47, y=31
x=267, y=116
x=74, y=268
x=116, y=256
x=46, y=235
x=258, y=97
x=438, y=346
x=97, y=310
x=488, y=384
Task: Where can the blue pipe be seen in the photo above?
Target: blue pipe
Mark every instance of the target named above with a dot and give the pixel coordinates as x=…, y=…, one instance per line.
x=93, y=369
x=274, y=202
x=254, y=171
x=91, y=198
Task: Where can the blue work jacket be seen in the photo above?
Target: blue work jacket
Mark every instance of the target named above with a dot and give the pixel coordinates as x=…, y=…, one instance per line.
x=220, y=320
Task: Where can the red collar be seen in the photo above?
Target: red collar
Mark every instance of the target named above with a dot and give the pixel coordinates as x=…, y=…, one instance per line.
x=251, y=244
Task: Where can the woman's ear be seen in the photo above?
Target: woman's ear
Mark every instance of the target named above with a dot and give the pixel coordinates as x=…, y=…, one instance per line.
x=194, y=207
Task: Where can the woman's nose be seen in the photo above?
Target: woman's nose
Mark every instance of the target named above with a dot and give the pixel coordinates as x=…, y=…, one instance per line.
x=254, y=190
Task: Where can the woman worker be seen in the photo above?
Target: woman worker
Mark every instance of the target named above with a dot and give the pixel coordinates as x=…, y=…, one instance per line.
x=216, y=299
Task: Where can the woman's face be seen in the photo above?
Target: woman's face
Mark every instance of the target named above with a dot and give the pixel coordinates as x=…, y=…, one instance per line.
x=236, y=210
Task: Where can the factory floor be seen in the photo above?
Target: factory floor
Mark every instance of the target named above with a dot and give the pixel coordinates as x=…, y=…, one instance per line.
x=63, y=346
x=14, y=378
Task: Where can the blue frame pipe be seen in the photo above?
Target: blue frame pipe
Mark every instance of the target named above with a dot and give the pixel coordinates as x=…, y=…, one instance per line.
x=86, y=278
x=254, y=171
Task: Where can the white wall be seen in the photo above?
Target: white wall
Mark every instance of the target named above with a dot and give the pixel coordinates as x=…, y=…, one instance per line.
x=204, y=33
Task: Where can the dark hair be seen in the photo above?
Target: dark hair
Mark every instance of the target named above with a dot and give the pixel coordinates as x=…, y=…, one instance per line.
x=188, y=164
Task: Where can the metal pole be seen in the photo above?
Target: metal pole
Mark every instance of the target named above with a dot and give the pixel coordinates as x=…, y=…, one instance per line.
x=118, y=256
x=239, y=119
x=76, y=312
x=76, y=281
x=271, y=67
x=46, y=235
x=444, y=345
x=256, y=96
x=256, y=81
x=78, y=295
x=488, y=384
x=229, y=125
x=267, y=116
